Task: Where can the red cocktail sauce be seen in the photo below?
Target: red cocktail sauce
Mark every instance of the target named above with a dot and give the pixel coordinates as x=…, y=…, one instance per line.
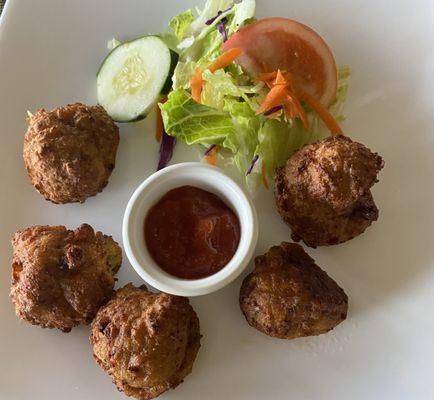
x=191, y=233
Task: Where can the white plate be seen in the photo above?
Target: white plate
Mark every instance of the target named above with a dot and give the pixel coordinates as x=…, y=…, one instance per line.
x=49, y=53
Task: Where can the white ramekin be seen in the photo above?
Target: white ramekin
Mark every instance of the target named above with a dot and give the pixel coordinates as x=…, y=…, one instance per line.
x=157, y=185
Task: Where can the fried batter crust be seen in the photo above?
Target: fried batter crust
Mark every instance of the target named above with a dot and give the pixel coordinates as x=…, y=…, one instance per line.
x=146, y=342
x=70, y=152
x=288, y=296
x=60, y=277
x=323, y=191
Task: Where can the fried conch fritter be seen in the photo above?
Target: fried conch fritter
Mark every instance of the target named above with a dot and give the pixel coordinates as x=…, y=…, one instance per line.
x=146, y=342
x=323, y=191
x=60, y=278
x=288, y=296
x=70, y=152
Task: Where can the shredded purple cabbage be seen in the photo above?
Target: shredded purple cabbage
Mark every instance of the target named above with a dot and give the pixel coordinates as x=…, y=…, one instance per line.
x=273, y=110
x=166, y=150
x=211, y=20
x=252, y=164
x=221, y=28
x=209, y=149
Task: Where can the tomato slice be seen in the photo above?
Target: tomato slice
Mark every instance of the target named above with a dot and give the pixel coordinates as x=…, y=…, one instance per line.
x=279, y=43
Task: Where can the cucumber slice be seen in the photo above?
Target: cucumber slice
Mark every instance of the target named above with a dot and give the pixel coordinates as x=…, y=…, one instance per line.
x=134, y=76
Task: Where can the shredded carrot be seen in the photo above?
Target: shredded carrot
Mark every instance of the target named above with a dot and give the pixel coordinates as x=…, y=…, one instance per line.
x=280, y=79
x=293, y=109
x=159, y=122
x=264, y=175
x=225, y=59
x=222, y=61
x=275, y=97
x=323, y=113
x=211, y=157
x=282, y=93
x=196, y=83
x=266, y=76
x=276, y=78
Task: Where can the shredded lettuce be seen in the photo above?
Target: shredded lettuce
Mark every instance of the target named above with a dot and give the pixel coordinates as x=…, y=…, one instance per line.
x=199, y=43
x=180, y=23
x=197, y=39
x=183, y=73
x=243, y=13
x=210, y=10
x=220, y=85
x=210, y=48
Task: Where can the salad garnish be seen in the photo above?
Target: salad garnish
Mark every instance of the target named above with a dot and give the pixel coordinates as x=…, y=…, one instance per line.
x=282, y=93
x=166, y=150
x=209, y=149
x=211, y=20
x=167, y=143
x=273, y=110
x=211, y=155
x=254, y=90
x=257, y=120
x=322, y=112
x=252, y=164
x=221, y=62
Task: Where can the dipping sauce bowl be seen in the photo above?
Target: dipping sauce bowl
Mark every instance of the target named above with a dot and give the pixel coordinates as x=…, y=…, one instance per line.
x=152, y=190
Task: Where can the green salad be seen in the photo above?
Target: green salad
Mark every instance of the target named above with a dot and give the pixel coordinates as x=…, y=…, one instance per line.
x=224, y=112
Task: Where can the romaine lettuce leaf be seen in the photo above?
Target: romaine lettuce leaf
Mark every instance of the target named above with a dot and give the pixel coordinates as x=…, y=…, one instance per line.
x=243, y=139
x=275, y=145
x=192, y=122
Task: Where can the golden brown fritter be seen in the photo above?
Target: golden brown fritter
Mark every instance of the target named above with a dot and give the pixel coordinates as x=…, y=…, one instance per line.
x=288, y=296
x=70, y=152
x=60, y=278
x=146, y=342
x=323, y=191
